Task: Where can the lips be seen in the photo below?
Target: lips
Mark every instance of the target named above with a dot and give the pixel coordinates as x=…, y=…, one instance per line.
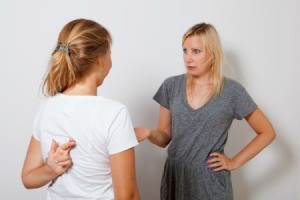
x=191, y=67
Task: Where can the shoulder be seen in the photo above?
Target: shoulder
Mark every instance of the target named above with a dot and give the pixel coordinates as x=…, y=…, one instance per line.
x=111, y=104
x=232, y=85
x=174, y=79
x=116, y=105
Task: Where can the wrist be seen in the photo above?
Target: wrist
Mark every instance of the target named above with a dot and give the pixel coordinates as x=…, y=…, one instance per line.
x=50, y=169
x=235, y=164
x=150, y=132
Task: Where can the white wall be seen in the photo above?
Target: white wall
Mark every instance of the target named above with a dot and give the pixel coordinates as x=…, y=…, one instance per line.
x=261, y=40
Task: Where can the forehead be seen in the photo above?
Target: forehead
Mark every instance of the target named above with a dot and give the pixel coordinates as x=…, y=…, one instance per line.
x=193, y=41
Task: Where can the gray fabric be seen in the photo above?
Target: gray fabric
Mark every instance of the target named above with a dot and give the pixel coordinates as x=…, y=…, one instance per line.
x=195, y=134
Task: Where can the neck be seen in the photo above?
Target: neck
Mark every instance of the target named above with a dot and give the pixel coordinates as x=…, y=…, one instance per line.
x=86, y=87
x=203, y=79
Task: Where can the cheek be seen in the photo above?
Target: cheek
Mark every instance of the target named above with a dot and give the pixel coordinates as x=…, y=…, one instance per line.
x=184, y=57
x=199, y=59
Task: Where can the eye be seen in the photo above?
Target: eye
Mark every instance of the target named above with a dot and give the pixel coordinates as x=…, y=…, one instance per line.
x=184, y=51
x=196, y=51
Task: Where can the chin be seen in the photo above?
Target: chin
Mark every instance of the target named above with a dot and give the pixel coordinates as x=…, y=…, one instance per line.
x=193, y=73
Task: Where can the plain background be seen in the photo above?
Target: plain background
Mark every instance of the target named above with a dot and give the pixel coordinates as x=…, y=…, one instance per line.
x=261, y=41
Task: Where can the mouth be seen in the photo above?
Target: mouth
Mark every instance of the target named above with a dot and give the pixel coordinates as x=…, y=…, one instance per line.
x=191, y=67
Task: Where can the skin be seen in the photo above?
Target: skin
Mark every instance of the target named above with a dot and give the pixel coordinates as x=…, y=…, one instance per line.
x=197, y=64
x=36, y=174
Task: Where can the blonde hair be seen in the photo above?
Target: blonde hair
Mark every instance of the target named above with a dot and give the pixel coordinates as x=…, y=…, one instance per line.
x=79, y=45
x=213, y=48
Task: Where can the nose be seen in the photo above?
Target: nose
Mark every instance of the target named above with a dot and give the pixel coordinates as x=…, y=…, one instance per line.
x=188, y=57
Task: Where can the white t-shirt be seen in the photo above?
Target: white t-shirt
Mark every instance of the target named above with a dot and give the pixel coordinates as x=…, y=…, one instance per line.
x=100, y=127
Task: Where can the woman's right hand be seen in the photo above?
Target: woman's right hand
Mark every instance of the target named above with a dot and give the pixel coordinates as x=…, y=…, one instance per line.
x=142, y=133
x=59, y=159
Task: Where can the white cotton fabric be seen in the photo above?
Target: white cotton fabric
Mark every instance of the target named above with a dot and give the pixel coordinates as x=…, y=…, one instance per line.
x=100, y=127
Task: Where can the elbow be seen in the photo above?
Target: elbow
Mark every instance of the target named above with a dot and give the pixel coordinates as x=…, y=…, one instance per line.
x=162, y=145
x=27, y=183
x=270, y=136
x=273, y=136
x=128, y=196
x=27, y=186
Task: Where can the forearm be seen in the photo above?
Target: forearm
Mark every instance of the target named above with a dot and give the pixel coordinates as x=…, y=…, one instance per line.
x=38, y=177
x=253, y=148
x=126, y=195
x=160, y=138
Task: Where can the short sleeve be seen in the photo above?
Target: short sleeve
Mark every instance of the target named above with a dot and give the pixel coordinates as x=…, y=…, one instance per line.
x=243, y=103
x=37, y=121
x=121, y=133
x=164, y=94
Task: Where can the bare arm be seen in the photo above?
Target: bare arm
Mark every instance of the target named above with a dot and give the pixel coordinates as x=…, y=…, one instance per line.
x=162, y=135
x=123, y=175
x=265, y=135
x=35, y=172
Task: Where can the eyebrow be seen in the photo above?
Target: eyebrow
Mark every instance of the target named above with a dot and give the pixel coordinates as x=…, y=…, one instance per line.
x=193, y=48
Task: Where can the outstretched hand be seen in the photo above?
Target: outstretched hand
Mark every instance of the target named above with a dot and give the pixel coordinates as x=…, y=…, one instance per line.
x=142, y=133
x=220, y=162
x=59, y=159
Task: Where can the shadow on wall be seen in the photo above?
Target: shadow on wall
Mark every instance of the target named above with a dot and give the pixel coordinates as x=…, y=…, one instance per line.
x=245, y=189
x=150, y=159
x=150, y=164
x=239, y=137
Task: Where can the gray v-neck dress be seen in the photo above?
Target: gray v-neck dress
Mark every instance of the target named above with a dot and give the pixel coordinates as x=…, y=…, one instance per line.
x=195, y=134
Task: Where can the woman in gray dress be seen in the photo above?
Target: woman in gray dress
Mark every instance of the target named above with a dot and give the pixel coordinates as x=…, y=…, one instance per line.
x=196, y=112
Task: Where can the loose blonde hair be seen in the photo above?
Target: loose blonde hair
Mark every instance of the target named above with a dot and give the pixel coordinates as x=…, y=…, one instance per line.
x=79, y=44
x=213, y=47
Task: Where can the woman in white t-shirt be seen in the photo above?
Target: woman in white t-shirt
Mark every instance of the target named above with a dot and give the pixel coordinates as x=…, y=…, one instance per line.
x=102, y=165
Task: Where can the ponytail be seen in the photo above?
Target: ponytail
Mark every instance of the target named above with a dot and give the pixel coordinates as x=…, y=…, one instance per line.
x=61, y=74
x=79, y=44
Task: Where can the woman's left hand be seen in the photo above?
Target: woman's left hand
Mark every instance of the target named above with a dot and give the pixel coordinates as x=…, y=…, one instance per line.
x=220, y=162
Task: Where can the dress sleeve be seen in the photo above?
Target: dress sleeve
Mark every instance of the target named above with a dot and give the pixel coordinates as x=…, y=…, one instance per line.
x=121, y=133
x=164, y=94
x=243, y=103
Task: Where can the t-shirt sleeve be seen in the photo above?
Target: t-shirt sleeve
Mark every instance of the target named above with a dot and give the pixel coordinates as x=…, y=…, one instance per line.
x=121, y=133
x=164, y=94
x=36, y=123
x=243, y=103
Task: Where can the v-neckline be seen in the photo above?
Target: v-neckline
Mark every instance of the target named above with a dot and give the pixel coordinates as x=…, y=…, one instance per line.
x=186, y=102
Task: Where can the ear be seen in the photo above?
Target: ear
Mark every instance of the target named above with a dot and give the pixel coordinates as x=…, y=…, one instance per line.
x=99, y=61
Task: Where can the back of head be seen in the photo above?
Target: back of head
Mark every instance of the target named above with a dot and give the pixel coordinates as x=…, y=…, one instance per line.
x=79, y=45
x=213, y=50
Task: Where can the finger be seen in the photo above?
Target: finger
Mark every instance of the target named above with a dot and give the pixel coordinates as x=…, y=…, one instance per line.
x=53, y=147
x=63, y=158
x=218, y=164
x=64, y=152
x=140, y=138
x=218, y=169
x=217, y=154
x=67, y=151
x=213, y=160
x=65, y=164
x=67, y=145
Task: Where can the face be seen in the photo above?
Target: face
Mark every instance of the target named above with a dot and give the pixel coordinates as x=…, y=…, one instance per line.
x=194, y=56
x=102, y=67
x=107, y=63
